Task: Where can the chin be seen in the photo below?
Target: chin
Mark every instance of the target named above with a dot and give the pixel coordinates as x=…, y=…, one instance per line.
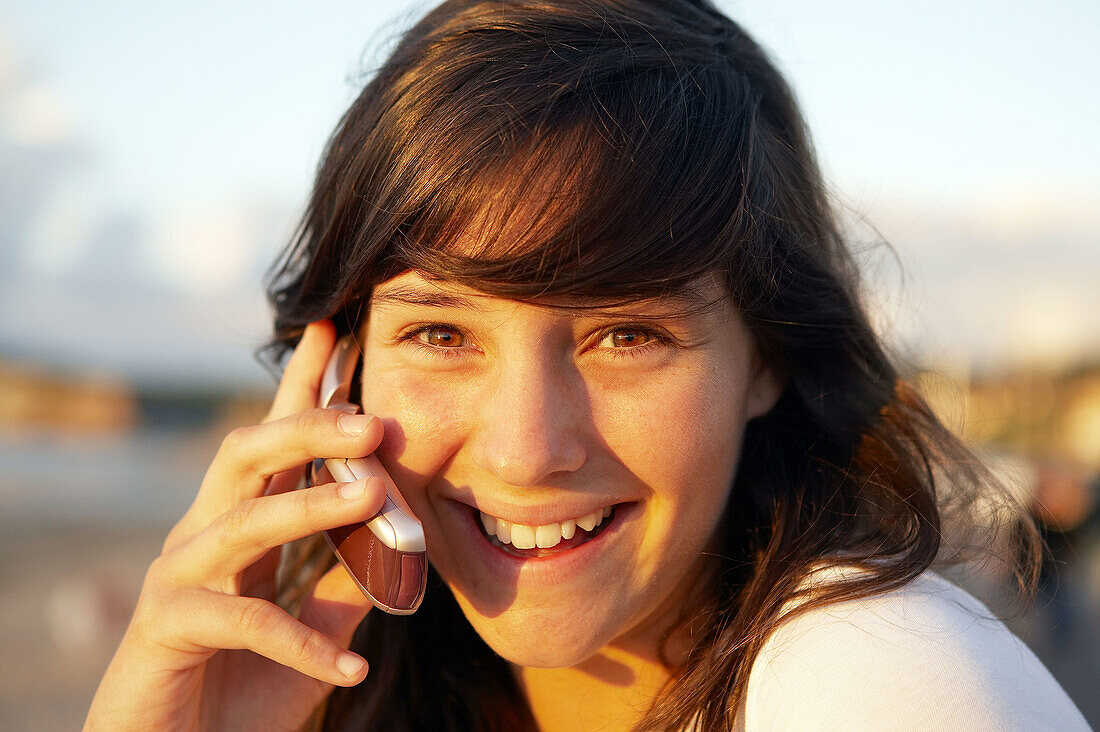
x=547, y=635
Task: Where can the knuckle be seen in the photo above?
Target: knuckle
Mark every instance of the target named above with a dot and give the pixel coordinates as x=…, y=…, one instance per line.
x=254, y=618
x=159, y=577
x=184, y=529
x=156, y=602
x=156, y=570
x=310, y=421
x=239, y=518
x=234, y=441
x=314, y=429
x=172, y=540
x=306, y=646
x=167, y=574
x=312, y=504
x=145, y=624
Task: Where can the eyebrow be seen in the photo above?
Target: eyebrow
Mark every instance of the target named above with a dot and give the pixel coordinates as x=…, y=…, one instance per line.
x=421, y=297
x=432, y=298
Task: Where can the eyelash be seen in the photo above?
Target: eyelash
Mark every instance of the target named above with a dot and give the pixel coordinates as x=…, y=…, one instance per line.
x=657, y=339
x=412, y=338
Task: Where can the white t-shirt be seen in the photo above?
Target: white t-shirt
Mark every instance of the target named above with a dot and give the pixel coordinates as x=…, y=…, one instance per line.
x=927, y=656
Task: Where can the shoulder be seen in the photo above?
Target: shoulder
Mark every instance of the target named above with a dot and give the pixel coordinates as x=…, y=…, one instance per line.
x=925, y=656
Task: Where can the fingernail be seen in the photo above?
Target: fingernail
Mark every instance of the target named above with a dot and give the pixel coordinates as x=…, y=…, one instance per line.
x=354, y=490
x=350, y=664
x=354, y=424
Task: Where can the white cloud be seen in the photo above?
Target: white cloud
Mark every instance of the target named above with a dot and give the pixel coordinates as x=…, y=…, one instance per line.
x=204, y=253
x=218, y=249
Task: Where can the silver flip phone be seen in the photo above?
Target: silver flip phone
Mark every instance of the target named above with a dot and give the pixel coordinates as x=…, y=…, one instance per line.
x=386, y=555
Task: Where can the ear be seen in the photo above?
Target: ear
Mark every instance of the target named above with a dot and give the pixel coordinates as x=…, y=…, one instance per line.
x=765, y=385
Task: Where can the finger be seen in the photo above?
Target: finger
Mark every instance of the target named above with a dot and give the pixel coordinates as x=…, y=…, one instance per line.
x=302, y=376
x=246, y=533
x=206, y=621
x=198, y=518
x=336, y=606
x=249, y=456
x=298, y=390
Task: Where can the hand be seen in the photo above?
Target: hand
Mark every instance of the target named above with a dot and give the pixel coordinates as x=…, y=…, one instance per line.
x=207, y=648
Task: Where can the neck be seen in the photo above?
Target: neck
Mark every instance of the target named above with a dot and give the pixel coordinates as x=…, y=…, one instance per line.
x=610, y=691
x=615, y=688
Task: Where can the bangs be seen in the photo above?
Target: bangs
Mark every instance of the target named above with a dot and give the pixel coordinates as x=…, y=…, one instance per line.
x=552, y=153
x=612, y=187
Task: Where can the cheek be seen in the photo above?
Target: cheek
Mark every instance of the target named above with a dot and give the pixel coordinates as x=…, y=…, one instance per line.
x=679, y=435
x=422, y=415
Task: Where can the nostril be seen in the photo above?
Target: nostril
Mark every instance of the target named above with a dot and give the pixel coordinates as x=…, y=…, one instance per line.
x=525, y=440
x=534, y=466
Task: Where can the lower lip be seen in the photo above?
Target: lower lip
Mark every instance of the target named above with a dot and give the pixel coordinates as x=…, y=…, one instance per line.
x=549, y=569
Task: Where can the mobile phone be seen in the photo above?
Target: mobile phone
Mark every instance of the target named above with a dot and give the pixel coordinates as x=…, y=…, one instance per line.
x=386, y=555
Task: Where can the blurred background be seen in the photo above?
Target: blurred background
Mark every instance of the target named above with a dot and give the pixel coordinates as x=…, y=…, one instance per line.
x=154, y=157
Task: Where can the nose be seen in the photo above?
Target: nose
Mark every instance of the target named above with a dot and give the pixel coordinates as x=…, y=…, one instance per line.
x=530, y=425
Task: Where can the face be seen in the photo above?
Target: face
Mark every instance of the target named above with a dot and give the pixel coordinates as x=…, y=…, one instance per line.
x=569, y=466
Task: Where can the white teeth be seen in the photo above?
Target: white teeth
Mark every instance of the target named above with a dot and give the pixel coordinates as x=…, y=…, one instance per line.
x=489, y=523
x=523, y=537
x=547, y=536
x=544, y=536
x=589, y=522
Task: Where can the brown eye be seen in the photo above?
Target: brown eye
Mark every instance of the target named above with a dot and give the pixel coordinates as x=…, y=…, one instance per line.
x=628, y=338
x=442, y=337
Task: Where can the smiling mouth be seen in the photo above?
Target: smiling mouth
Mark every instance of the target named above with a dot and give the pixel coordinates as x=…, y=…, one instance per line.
x=529, y=542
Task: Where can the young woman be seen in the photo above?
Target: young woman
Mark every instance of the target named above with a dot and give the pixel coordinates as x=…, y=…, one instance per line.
x=614, y=356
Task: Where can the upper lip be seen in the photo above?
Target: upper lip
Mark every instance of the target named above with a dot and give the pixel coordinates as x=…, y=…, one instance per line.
x=541, y=514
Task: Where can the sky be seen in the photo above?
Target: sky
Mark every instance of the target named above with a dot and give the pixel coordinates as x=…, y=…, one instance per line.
x=154, y=157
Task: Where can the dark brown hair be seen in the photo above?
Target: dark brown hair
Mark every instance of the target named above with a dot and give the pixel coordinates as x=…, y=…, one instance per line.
x=614, y=150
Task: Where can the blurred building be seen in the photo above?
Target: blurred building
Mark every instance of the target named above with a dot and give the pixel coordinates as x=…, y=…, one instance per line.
x=33, y=399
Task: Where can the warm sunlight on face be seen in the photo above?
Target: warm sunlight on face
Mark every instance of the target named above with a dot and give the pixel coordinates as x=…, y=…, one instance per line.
x=569, y=466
